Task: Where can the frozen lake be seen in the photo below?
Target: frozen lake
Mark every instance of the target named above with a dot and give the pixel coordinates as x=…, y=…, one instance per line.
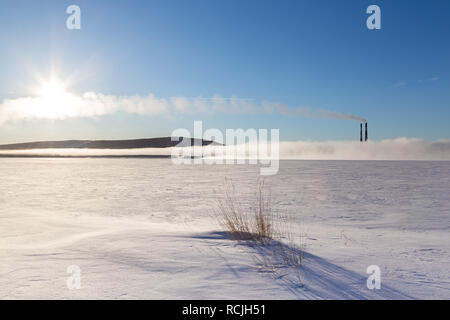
x=105, y=214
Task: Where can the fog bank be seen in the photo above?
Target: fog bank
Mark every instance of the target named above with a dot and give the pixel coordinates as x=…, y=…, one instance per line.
x=390, y=149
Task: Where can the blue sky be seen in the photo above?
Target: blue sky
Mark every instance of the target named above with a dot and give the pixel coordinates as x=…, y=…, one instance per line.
x=317, y=54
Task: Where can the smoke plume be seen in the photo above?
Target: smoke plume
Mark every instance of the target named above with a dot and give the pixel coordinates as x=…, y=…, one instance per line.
x=93, y=104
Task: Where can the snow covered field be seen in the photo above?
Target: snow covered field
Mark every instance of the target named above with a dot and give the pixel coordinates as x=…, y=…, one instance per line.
x=144, y=229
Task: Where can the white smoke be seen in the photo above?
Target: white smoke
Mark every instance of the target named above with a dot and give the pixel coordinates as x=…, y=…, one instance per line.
x=93, y=104
x=285, y=110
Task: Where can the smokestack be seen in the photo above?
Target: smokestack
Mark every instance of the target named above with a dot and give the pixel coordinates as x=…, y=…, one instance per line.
x=367, y=137
x=360, y=132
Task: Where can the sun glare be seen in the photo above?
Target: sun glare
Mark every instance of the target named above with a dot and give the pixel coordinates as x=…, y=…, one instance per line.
x=52, y=99
x=52, y=88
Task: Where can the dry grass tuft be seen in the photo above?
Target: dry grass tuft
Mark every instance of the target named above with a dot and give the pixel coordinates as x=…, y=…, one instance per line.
x=259, y=224
x=241, y=224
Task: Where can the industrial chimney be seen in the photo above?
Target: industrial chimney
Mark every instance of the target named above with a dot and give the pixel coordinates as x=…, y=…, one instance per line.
x=367, y=137
x=360, y=132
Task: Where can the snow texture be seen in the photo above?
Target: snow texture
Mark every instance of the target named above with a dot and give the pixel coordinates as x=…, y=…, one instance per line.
x=145, y=229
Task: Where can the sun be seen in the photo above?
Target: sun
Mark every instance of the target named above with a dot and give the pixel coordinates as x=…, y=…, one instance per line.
x=53, y=88
x=52, y=100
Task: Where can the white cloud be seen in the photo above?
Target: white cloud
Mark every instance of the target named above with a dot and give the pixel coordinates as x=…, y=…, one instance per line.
x=399, y=84
x=91, y=104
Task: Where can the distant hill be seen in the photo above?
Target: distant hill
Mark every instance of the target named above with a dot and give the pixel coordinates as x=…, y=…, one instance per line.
x=164, y=142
